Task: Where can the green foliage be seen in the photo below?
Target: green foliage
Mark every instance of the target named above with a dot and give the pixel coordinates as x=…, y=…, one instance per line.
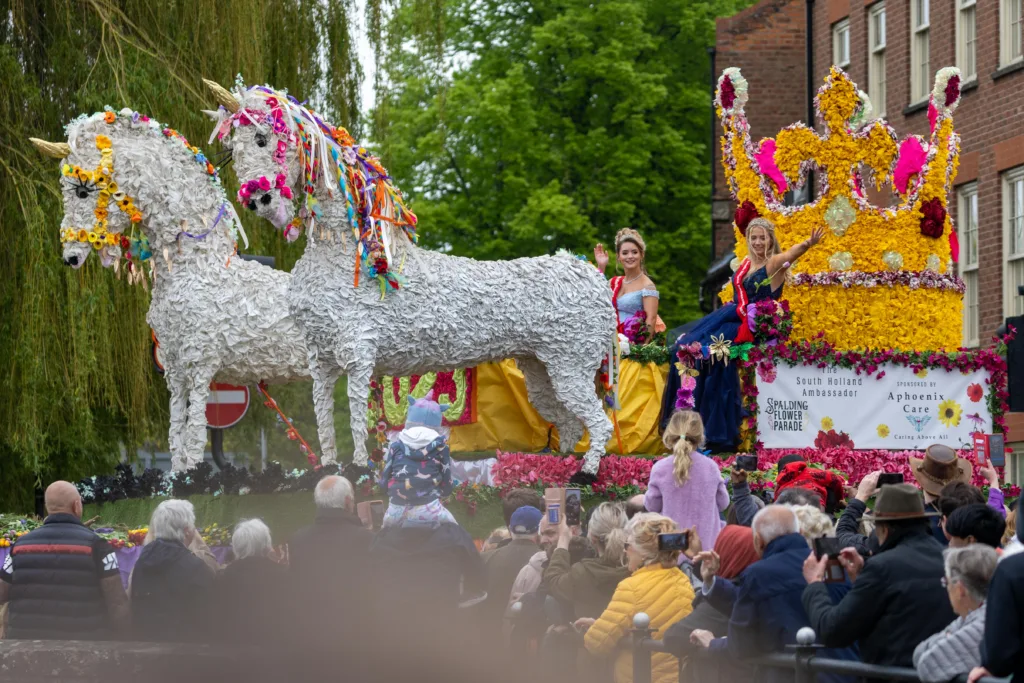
x=552, y=125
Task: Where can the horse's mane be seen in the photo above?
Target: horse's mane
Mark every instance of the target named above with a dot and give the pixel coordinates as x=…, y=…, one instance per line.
x=128, y=123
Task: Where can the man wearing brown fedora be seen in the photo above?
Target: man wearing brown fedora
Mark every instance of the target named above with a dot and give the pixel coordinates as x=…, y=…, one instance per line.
x=937, y=473
x=883, y=612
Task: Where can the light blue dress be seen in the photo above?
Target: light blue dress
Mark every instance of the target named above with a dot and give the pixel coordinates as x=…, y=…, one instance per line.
x=633, y=302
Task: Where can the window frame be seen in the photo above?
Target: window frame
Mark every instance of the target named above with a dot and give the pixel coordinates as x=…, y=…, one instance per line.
x=877, y=83
x=841, y=28
x=1005, y=33
x=964, y=205
x=961, y=47
x=1007, y=179
x=920, y=59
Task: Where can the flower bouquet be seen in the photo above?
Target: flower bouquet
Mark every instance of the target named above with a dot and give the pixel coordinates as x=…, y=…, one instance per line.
x=770, y=321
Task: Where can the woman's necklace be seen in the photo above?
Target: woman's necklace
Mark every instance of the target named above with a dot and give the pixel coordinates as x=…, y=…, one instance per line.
x=632, y=279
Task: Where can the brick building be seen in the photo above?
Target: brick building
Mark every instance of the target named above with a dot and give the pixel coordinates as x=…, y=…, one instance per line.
x=892, y=49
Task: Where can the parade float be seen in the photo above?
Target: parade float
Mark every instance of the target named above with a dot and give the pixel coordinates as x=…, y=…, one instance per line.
x=857, y=369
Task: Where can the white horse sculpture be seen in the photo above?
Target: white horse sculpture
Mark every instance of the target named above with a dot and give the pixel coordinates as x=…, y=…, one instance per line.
x=424, y=311
x=215, y=315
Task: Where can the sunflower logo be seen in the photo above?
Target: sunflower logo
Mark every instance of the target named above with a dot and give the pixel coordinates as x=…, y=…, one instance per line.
x=826, y=423
x=882, y=430
x=949, y=413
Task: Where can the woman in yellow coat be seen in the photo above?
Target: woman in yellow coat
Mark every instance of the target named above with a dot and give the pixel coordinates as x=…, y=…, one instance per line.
x=656, y=587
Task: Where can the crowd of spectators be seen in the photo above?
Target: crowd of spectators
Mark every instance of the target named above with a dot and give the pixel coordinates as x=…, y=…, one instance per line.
x=930, y=581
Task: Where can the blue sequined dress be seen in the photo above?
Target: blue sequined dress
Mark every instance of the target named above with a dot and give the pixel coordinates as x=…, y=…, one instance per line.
x=717, y=395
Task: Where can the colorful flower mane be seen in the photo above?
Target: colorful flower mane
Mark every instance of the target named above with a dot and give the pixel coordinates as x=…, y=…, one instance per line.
x=330, y=159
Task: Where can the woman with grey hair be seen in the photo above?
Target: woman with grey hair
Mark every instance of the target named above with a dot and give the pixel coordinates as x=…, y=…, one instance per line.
x=957, y=649
x=250, y=589
x=170, y=585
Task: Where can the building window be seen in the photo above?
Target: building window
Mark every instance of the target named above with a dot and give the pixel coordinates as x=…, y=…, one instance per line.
x=841, y=44
x=966, y=39
x=1013, y=237
x=967, y=221
x=920, y=66
x=876, y=57
x=1011, y=14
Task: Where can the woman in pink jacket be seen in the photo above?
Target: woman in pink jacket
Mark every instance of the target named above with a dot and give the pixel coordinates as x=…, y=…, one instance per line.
x=687, y=487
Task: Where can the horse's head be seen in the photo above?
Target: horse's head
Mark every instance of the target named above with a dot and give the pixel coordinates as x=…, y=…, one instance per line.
x=264, y=129
x=96, y=211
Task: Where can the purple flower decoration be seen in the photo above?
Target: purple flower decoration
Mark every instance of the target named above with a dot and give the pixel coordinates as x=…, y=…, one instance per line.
x=727, y=93
x=952, y=90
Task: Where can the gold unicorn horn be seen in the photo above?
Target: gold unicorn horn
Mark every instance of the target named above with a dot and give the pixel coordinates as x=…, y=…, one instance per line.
x=222, y=96
x=57, y=150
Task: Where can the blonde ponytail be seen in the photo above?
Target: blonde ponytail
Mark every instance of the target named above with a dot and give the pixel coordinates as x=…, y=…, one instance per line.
x=683, y=435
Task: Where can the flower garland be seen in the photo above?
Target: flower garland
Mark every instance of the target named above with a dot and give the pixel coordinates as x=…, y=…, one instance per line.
x=925, y=279
x=822, y=354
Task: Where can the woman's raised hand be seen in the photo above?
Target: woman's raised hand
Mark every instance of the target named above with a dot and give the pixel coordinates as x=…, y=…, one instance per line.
x=600, y=257
x=816, y=236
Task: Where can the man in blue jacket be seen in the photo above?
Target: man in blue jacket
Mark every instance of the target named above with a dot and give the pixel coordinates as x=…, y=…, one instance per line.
x=766, y=609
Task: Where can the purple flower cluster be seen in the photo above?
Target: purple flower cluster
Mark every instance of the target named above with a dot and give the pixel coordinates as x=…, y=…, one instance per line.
x=924, y=279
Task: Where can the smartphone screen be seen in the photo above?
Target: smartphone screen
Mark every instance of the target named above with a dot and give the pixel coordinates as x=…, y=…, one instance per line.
x=747, y=463
x=377, y=514
x=997, y=450
x=827, y=546
x=573, y=507
x=679, y=540
x=554, y=510
x=889, y=478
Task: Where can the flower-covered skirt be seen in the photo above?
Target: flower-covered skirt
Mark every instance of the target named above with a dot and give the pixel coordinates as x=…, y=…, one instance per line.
x=717, y=394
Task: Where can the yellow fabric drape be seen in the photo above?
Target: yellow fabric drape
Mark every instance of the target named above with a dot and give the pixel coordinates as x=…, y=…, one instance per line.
x=506, y=420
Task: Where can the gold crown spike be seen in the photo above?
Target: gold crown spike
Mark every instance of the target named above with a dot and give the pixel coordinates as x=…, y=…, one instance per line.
x=881, y=276
x=851, y=151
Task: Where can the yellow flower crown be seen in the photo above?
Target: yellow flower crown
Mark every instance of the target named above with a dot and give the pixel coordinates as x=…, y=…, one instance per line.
x=913, y=235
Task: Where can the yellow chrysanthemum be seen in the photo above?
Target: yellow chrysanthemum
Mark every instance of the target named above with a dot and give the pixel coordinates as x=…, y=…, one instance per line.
x=102, y=142
x=949, y=413
x=922, y=373
x=826, y=424
x=882, y=430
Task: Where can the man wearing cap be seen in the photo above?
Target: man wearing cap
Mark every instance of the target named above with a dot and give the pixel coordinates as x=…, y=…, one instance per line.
x=897, y=599
x=505, y=563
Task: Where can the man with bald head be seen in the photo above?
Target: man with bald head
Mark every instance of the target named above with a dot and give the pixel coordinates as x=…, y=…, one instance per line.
x=62, y=580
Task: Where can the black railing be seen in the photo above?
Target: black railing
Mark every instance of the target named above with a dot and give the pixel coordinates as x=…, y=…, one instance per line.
x=802, y=658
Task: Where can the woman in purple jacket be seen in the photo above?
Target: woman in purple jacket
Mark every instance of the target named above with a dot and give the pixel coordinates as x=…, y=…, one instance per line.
x=687, y=487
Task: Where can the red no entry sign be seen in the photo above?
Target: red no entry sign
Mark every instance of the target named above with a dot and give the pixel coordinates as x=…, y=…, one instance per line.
x=226, y=406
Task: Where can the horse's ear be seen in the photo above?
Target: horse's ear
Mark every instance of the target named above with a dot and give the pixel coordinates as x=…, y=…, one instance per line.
x=223, y=97
x=56, y=150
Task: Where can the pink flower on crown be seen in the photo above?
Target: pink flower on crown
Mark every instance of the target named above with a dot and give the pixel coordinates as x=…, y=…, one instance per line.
x=264, y=183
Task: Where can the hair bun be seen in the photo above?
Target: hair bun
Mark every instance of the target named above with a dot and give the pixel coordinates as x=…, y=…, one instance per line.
x=629, y=235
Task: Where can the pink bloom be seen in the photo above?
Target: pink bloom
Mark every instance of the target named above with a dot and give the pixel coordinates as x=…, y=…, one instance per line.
x=264, y=183
x=286, y=192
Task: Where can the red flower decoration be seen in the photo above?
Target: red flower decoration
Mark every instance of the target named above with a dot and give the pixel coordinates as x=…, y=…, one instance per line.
x=933, y=221
x=952, y=90
x=745, y=213
x=975, y=392
x=833, y=439
x=727, y=93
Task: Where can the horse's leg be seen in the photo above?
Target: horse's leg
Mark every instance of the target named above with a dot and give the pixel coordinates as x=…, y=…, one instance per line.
x=574, y=387
x=179, y=406
x=542, y=396
x=195, y=433
x=359, y=373
x=324, y=380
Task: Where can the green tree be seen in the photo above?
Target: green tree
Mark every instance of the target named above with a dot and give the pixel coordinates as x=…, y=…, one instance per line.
x=76, y=381
x=547, y=125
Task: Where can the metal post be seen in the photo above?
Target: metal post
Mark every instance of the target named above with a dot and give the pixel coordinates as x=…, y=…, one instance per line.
x=641, y=655
x=217, y=447
x=805, y=651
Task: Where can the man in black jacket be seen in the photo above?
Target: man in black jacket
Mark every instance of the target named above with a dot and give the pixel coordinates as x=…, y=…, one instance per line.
x=898, y=598
x=61, y=580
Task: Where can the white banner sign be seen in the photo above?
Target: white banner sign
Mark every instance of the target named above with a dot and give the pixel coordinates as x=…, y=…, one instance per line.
x=806, y=406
